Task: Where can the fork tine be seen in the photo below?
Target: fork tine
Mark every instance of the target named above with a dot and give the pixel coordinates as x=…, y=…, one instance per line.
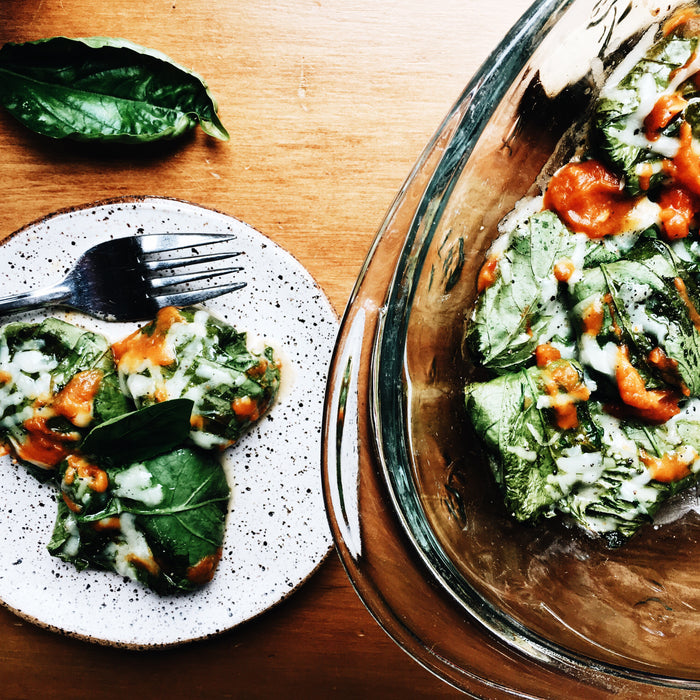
x=195, y=297
x=155, y=265
x=161, y=282
x=161, y=242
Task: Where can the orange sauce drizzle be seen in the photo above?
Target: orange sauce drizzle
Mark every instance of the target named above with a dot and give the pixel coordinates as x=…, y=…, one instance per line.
x=107, y=524
x=652, y=405
x=665, y=109
x=42, y=446
x=668, y=368
x=488, y=273
x=593, y=318
x=203, y=570
x=677, y=19
x=563, y=269
x=75, y=401
x=546, y=353
x=685, y=167
x=562, y=375
x=139, y=347
x=678, y=209
x=683, y=292
x=244, y=407
x=97, y=478
x=589, y=199
x=671, y=466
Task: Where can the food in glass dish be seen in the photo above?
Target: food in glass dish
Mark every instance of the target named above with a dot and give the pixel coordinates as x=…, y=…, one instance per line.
x=131, y=433
x=586, y=329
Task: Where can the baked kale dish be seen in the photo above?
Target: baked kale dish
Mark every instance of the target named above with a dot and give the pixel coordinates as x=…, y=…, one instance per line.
x=586, y=327
x=131, y=436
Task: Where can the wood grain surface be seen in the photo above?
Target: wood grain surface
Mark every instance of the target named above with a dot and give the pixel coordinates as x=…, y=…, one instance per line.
x=328, y=103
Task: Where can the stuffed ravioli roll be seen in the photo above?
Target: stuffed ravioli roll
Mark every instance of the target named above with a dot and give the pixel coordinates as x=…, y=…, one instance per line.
x=56, y=382
x=637, y=324
x=533, y=423
x=159, y=521
x=187, y=353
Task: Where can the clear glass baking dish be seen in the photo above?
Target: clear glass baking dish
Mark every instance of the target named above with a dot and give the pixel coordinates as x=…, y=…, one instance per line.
x=494, y=607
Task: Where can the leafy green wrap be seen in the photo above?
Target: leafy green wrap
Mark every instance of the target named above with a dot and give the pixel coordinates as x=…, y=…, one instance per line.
x=642, y=467
x=611, y=475
x=135, y=503
x=56, y=382
x=190, y=354
x=522, y=308
x=624, y=105
x=160, y=521
x=646, y=302
x=515, y=416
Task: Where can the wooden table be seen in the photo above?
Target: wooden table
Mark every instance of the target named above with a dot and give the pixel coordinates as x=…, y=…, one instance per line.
x=329, y=103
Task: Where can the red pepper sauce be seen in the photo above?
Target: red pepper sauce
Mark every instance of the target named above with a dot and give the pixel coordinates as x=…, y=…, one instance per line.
x=671, y=466
x=75, y=400
x=589, y=199
x=487, y=273
x=139, y=346
x=685, y=166
x=564, y=385
x=652, y=405
x=665, y=109
x=678, y=210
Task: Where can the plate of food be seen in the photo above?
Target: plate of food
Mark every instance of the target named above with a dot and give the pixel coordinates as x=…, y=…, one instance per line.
x=160, y=479
x=519, y=418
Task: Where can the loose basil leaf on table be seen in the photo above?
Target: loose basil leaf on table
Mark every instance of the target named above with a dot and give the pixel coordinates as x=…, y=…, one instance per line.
x=104, y=89
x=141, y=434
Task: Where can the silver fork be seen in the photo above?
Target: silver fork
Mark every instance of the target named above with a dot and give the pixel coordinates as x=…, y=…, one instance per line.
x=125, y=280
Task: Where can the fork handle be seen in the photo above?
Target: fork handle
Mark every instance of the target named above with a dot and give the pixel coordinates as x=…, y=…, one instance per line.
x=48, y=296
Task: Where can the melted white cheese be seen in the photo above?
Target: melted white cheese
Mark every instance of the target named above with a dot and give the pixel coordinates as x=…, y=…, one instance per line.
x=135, y=483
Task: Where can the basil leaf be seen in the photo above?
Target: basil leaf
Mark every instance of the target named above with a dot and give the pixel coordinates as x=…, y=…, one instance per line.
x=172, y=514
x=141, y=434
x=103, y=89
x=523, y=308
x=525, y=446
x=618, y=118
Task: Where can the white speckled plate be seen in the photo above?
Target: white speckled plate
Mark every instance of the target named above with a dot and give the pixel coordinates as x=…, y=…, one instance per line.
x=277, y=532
